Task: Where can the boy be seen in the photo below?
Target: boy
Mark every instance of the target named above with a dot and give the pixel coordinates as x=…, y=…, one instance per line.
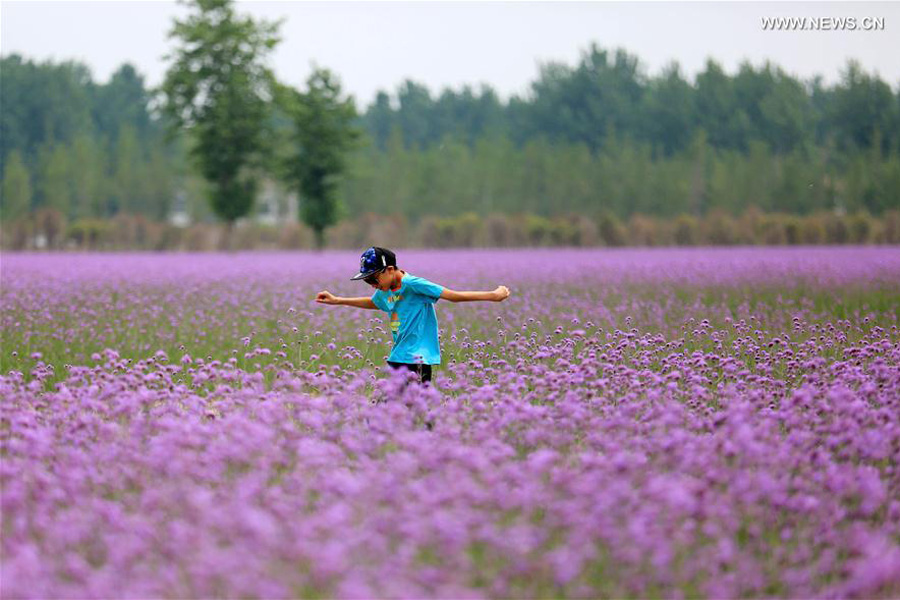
x=409, y=300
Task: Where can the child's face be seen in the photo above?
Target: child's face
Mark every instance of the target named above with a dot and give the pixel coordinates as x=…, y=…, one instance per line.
x=382, y=281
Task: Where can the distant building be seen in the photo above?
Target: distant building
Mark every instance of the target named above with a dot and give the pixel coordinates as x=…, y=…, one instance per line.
x=179, y=215
x=274, y=206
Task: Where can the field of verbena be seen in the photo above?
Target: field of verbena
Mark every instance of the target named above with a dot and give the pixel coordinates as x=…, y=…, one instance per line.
x=664, y=423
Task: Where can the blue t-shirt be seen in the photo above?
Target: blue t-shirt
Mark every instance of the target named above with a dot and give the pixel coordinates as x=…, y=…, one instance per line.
x=413, y=320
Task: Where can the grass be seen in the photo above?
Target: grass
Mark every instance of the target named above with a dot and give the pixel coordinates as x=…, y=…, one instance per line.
x=214, y=332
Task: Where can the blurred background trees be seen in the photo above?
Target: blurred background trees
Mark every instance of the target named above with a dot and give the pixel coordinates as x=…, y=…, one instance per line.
x=218, y=92
x=323, y=133
x=596, y=152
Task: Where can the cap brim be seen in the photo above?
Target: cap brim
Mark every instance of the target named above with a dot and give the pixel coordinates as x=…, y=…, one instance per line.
x=359, y=276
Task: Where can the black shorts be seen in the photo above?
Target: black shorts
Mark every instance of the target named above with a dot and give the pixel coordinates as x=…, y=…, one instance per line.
x=423, y=371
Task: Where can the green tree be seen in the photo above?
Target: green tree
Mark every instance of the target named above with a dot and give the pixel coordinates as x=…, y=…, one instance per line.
x=87, y=177
x=864, y=110
x=42, y=103
x=785, y=115
x=467, y=115
x=776, y=105
x=324, y=131
x=416, y=114
x=719, y=112
x=52, y=181
x=123, y=101
x=158, y=185
x=821, y=99
x=16, y=199
x=585, y=104
x=669, y=111
x=219, y=90
x=379, y=119
x=126, y=180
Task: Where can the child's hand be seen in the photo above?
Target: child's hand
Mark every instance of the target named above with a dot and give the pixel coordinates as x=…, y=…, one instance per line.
x=501, y=293
x=326, y=297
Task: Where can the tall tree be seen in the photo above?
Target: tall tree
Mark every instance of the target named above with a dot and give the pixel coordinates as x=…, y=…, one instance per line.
x=42, y=103
x=158, y=185
x=669, y=111
x=380, y=119
x=776, y=105
x=219, y=89
x=468, y=115
x=416, y=114
x=87, y=177
x=584, y=105
x=323, y=132
x=126, y=181
x=785, y=113
x=16, y=194
x=864, y=110
x=122, y=102
x=718, y=111
x=53, y=178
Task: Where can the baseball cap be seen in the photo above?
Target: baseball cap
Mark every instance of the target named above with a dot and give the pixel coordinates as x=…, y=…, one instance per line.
x=374, y=260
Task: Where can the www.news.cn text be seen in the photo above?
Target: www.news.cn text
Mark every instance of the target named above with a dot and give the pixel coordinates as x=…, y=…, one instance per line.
x=823, y=23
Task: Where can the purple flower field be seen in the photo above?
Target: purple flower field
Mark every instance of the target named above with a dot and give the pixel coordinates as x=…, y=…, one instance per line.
x=629, y=423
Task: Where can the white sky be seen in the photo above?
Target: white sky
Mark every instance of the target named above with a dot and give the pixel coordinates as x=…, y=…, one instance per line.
x=376, y=45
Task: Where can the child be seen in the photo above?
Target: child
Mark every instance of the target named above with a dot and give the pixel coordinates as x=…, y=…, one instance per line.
x=409, y=300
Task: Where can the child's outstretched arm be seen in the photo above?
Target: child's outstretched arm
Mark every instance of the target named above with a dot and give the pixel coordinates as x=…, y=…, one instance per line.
x=326, y=297
x=498, y=295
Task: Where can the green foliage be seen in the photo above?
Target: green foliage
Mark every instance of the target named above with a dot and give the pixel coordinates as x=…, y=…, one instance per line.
x=126, y=181
x=56, y=111
x=323, y=132
x=54, y=169
x=623, y=179
x=16, y=193
x=606, y=94
x=669, y=109
x=42, y=104
x=597, y=137
x=88, y=233
x=123, y=102
x=864, y=112
x=415, y=115
x=88, y=177
x=219, y=90
x=587, y=103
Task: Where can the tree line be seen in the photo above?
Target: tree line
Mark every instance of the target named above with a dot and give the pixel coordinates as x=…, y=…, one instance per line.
x=599, y=139
x=607, y=95
x=78, y=147
x=220, y=107
x=623, y=178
